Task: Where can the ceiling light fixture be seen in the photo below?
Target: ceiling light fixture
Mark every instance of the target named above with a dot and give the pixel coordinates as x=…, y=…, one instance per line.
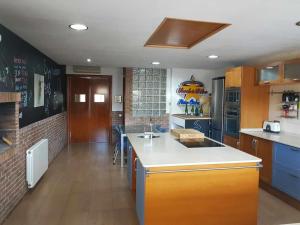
x=269, y=67
x=298, y=23
x=155, y=63
x=89, y=60
x=213, y=56
x=78, y=27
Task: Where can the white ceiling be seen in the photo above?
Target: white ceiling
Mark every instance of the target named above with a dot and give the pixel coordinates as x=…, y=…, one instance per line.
x=261, y=30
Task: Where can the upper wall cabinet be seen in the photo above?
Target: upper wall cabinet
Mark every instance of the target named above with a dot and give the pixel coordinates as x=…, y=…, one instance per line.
x=291, y=70
x=269, y=74
x=279, y=73
x=233, y=78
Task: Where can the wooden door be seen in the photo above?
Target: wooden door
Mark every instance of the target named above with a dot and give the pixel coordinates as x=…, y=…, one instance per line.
x=89, y=108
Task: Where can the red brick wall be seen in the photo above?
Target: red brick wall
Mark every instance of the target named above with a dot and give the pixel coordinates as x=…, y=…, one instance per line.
x=129, y=119
x=117, y=117
x=13, y=168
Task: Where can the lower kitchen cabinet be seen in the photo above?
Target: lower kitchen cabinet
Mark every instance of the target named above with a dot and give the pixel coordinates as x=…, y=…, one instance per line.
x=286, y=169
x=193, y=196
x=262, y=149
x=231, y=141
x=131, y=165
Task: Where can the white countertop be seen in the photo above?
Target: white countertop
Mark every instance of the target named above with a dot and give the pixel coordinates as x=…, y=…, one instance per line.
x=283, y=137
x=166, y=151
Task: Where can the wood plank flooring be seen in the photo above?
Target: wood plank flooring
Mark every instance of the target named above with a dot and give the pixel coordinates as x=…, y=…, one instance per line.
x=82, y=187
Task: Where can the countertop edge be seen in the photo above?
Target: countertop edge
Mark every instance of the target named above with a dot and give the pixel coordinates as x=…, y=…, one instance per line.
x=201, y=164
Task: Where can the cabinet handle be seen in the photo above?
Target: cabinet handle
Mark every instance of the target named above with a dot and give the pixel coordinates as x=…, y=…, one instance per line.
x=135, y=167
x=258, y=166
x=294, y=149
x=293, y=175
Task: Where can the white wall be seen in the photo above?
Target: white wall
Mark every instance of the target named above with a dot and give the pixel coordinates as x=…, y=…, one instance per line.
x=287, y=125
x=117, y=83
x=179, y=75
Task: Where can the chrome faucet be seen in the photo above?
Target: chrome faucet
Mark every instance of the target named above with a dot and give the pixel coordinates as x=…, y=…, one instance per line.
x=151, y=127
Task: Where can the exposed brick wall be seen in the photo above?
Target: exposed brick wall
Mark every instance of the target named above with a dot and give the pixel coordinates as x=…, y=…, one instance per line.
x=13, y=168
x=53, y=128
x=129, y=119
x=116, y=118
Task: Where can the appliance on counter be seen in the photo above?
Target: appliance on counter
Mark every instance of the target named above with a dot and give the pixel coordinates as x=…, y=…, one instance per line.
x=199, y=143
x=232, y=112
x=217, y=109
x=271, y=126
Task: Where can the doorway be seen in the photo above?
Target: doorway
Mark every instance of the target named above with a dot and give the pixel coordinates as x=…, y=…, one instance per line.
x=89, y=108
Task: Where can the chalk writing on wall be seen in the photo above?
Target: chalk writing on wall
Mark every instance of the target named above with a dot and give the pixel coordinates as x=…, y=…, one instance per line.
x=21, y=79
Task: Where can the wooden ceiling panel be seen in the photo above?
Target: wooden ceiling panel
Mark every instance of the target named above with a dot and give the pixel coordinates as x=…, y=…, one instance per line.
x=178, y=33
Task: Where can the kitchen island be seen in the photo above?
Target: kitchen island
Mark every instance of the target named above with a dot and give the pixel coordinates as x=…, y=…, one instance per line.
x=192, y=186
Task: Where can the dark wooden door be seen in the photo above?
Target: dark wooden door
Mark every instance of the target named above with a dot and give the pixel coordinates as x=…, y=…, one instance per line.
x=89, y=108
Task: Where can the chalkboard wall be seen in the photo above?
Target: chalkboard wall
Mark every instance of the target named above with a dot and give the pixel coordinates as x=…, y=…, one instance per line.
x=26, y=70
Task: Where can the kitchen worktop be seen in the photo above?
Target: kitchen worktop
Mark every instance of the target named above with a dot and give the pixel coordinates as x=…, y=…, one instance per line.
x=190, y=117
x=167, y=151
x=282, y=137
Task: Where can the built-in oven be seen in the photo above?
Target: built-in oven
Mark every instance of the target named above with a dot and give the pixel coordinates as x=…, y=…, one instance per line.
x=232, y=112
x=232, y=122
x=232, y=96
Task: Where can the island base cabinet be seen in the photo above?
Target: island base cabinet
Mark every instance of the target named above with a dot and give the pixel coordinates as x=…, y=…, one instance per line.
x=189, y=196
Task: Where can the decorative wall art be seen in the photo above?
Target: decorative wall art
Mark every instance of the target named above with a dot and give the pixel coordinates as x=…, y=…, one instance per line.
x=39, y=90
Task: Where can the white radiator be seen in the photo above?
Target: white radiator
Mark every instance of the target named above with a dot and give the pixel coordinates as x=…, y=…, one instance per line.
x=36, y=162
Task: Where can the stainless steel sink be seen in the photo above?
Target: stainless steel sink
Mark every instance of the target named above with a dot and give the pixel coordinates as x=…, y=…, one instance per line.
x=148, y=136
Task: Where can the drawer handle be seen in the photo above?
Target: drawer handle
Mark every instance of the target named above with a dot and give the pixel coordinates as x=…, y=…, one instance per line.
x=293, y=175
x=294, y=149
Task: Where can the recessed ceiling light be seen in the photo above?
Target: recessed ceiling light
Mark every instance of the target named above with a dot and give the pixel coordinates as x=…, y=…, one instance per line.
x=89, y=60
x=298, y=23
x=269, y=67
x=213, y=56
x=78, y=26
x=155, y=63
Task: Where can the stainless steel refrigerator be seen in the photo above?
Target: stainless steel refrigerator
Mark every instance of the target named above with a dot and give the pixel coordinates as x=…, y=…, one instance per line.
x=217, y=108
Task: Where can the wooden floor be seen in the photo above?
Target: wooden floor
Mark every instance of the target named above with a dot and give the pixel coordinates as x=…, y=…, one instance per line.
x=82, y=187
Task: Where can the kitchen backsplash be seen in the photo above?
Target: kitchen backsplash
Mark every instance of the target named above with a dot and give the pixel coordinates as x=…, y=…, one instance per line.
x=275, y=112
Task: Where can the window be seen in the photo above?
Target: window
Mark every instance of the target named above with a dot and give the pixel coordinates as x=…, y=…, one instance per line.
x=98, y=98
x=149, y=92
x=80, y=98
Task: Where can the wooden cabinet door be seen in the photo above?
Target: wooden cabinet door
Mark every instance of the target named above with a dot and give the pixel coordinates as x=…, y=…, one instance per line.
x=233, y=142
x=246, y=144
x=262, y=149
x=265, y=152
x=233, y=78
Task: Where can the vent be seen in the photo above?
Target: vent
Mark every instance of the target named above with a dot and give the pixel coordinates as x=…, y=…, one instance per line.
x=87, y=69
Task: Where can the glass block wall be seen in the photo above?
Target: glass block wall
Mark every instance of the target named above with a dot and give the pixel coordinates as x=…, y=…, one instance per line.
x=149, y=92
